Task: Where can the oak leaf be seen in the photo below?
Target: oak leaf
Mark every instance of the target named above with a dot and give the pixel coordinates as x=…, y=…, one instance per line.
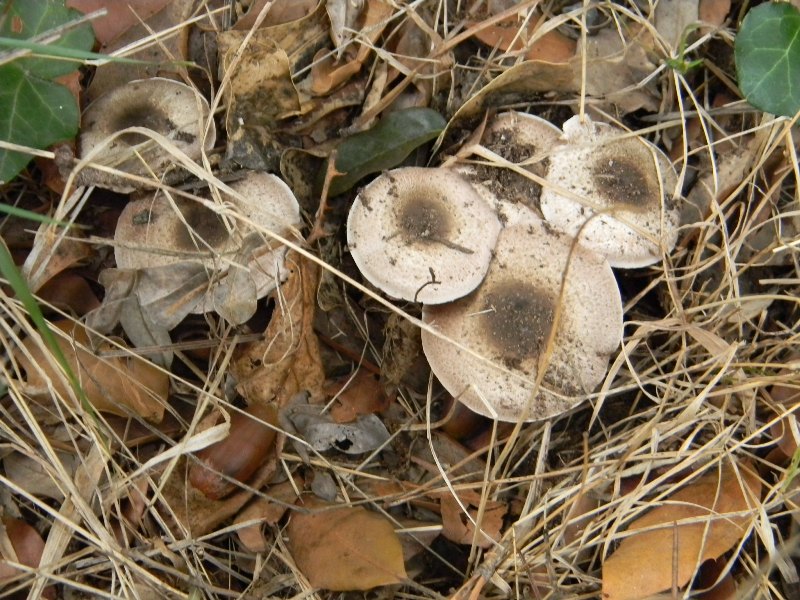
x=345, y=548
x=699, y=522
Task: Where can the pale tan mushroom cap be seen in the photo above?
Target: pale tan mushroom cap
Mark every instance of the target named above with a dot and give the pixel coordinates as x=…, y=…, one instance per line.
x=628, y=180
x=168, y=107
x=422, y=234
x=522, y=139
x=508, y=319
x=156, y=231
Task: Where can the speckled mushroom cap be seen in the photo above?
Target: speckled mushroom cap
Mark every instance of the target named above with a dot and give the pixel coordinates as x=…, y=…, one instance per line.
x=165, y=106
x=522, y=139
x=628, y=180
x=423, y=235
x=155, y=231
x=508, y=319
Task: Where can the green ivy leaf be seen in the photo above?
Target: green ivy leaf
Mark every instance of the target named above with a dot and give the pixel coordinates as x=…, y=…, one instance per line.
x=34, y=110
x=767, y=52
x=384, y=146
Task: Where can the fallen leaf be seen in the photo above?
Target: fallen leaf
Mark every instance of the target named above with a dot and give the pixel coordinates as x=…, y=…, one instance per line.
x=121, y=386
x=119, y=17
x=287, y=361
x=281, y=11
x=70, y=292
x=617, y=69
x=329, y=73
x=261, y=92
x=26, y=548
x=54, y=250
x=672, y=17
x=36, y=478
x=713, y=12
x=355, y=396
x=701, y=521
x=509, y=36
x=460, y=528
x=345, y=548
x=199, y=515
x=318, y=430
x=268, y=509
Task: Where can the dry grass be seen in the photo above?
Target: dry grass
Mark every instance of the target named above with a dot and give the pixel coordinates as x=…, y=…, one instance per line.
x=708, y=332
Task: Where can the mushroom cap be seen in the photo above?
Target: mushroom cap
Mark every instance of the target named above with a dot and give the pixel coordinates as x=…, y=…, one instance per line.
x=165, y=106
x=156, y=231
x=507, y=321
x=422, y=234
x=628, y=180
x=522, y=139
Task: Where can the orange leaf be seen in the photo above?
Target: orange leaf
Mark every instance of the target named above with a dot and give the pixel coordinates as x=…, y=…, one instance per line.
x=288, y=360
x=347, y=548
x=356, y=396
x=461, y=530
x=700, y=518
x=121, y=386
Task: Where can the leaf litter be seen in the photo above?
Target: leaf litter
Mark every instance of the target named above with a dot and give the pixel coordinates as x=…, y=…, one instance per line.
x=675, y=477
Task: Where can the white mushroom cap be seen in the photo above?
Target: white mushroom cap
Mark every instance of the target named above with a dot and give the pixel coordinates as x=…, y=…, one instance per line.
x=522, y=139
x=157, y=230
x=168, y=107
x=507, y=321
x=626, y=185
x=422, y=234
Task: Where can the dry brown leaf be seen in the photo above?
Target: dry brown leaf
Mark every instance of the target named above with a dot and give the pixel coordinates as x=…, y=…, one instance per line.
x=281, y=11
x=508, y=36
x=119, y=17
x=197, y=514
x=20, y=543
x=261, y=92
x=120, y=385
x=713, y=12
x=617, y=68
x=54, y=250
x=327, y=74
x=356, y=396
x=288, y=359
x=71, y=293
x=345, y=548
x=699, y=522
x=268, y=510
x=460, y=529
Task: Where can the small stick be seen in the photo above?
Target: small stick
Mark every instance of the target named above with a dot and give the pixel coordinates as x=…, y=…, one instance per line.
x=317, y=232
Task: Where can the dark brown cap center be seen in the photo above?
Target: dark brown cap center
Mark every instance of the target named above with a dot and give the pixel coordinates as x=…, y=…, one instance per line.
x=623, y=183
x=204, y=227
x=142, y=115
x=516, y=319
x=424, y=219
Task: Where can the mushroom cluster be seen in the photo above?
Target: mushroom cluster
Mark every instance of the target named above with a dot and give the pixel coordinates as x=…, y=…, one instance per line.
x=526, y=333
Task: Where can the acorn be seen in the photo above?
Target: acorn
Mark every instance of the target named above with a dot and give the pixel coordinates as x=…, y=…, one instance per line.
x=239, y=455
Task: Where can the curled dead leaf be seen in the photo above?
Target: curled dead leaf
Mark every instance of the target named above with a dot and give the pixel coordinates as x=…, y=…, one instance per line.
x=119, y=385
x=699, y=522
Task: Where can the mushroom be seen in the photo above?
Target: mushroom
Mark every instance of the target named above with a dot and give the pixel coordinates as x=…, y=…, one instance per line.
x=614, y=193
x=160, y=230
x=524, y=140
x=489, y=347
x=422, y=234
x=170, y=108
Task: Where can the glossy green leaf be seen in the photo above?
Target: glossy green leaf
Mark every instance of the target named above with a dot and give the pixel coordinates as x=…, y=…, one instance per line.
x=768, y=58
x=384, y=146
x=35, y=111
